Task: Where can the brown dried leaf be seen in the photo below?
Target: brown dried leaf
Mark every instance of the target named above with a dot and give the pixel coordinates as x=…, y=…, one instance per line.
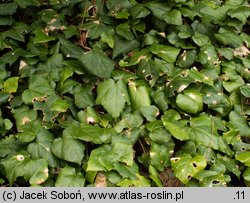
x=100, y=180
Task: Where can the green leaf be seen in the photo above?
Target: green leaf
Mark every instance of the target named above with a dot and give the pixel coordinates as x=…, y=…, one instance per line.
x=190, y=102
x=69, y=49
x=160, y=135
x=208, y=56
x=150, y=112
x=241, y=13
x=8, y=8
x=245, y=90
x=83, y=96
x=11, y=85
x=227, y=37
x=173, y=17
x=186, y=59
x=59, y=105
x=101, y=159
x=123, y=46
x=185, y=167
x=200, y=39
x=9, y=145
x=141, y=181
x=17, y=32
x=42, y=147
x=129, y=121
x=136, y=58
x=111, y=95
x=169, y=54
x=123, y=152
x=204, y=132
x=24, y=115
x=154, y=176
x=139, y=11
x=124, y=31
x=139, y=95
x=109, y=38
x=68, y=177
x=95, y=28
x=97, y=63
x=29, y=131
x=246, y=174
x=244, y=158
x=67, y=147
x=230, y=164
x=127, y=171
x=26, y=3
x=240, y=123
x=217, y=101
x=88, y=116
x=93, y=134
x=20, y=165
x=177, y=127
x=41, y=37
x=39, y=88
x=107, y=157
x=159, y=8
x=159, y=156
x=232, y=80
x=116, y=5
x=215, y=177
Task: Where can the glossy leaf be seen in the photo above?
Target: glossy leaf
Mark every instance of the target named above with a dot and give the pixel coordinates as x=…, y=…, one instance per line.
x=91, y=133
x=176, y=127
x=244, y=158
x=190, y=102
x=139, y=95
x=169, y=54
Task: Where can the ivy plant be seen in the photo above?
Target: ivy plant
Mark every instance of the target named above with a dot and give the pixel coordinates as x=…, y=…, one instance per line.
x=132, y=92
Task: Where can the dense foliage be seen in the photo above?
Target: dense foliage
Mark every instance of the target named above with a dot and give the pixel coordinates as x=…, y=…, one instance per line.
x=124, y=93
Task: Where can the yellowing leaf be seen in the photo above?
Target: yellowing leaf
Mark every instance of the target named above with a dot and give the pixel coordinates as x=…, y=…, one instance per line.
x=11, y=85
